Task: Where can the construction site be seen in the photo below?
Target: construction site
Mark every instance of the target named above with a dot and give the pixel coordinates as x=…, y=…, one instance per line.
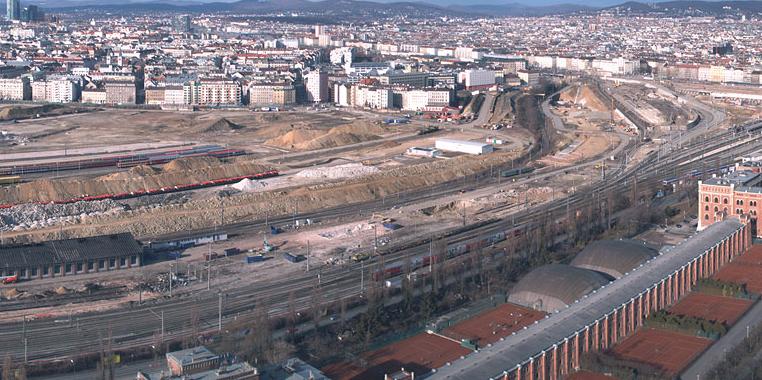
x=235, y=200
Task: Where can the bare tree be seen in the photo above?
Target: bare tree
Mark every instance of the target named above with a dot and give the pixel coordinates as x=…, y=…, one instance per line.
x=8, y=367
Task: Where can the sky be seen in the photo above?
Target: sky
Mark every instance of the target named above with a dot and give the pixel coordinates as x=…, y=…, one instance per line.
x=593, y=3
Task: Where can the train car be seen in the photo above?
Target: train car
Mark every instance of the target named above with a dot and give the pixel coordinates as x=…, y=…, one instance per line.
x=9, y=279
x=669, y=181
x=10, y=180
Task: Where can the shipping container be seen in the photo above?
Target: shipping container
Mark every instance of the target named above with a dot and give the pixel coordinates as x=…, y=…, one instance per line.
x=516, y=171
x=232, y=251
x=254, y=259
x=293, y=258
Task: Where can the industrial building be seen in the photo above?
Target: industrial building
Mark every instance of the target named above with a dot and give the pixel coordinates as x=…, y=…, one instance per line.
x=551, y=348
x=57, y=258
x=200, y=363
x=462, y=146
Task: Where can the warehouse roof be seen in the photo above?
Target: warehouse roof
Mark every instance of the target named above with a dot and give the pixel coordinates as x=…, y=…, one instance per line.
x=613, y=257
x=68, y=250
x=490, y=362
x=552, y=287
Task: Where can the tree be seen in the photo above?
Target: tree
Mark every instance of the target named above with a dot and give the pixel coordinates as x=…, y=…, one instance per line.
x=8, y=367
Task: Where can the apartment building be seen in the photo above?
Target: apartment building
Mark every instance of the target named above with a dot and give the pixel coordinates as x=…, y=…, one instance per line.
x=55, y=91
x=15, y=89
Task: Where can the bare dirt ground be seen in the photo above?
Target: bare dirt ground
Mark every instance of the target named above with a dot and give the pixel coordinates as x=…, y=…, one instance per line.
x=238, y=129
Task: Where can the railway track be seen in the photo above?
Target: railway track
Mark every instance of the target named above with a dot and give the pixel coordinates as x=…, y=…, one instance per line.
x=51, y=339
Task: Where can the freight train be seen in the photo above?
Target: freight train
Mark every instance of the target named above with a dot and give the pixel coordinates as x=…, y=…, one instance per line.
x=162, y=190
x=453, y=250
x=122, y=161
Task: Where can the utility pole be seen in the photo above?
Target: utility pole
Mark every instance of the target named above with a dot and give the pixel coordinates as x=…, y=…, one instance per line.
x=219, y=313
x=362, y=275
x=208, y=276
x=308, y=255
x=464, y=213
x=162, y=325
x=170, y=280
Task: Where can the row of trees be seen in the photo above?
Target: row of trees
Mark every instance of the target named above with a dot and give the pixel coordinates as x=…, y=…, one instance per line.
x=690, y=325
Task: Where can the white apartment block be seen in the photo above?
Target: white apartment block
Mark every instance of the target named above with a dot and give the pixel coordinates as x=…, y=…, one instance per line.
x=55, y=91
x=15, y=89
x=475, y=78
x=419, y=100
x=316, y=84
x=212, y=92
x=372, y=97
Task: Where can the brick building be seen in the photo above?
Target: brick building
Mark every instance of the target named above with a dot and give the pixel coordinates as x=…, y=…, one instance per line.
x=737, y=193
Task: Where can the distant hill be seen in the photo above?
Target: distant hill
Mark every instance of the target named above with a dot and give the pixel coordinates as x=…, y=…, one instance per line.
x=265, y=6
x=683, y=6
x=519, y=10
x=357, y=9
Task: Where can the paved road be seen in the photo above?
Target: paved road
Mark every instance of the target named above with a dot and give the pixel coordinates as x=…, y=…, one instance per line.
x=716, y=353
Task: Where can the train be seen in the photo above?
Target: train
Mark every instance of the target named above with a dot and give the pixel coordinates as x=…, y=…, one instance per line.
x=454, y=250
x=9, y=279
x=10, y=180
x=516, y=171
x=122, y=161
x=161, y=190
x=183, y=243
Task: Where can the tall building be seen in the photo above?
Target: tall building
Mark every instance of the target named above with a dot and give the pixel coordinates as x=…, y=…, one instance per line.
x=317, y=86
x=31, y=13
x=13, y=10
x=182, y=24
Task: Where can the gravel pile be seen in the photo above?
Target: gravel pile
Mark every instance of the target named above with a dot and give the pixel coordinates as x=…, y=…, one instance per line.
x=336, y=172
x=247, y=185
x=30, y=216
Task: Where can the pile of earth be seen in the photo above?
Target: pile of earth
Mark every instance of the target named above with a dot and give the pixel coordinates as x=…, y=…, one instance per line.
x=301, y=139
x=178, y=172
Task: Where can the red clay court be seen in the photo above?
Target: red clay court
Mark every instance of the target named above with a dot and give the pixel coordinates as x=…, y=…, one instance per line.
x=490, y=326
x=752, y=256
x=667, y=350
x=587, y=375
x=420, y=354
x=712, y=307
x=742, y=273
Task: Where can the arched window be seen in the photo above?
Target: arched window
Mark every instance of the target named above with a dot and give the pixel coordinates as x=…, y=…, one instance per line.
x=706, y=208
x=706, y=199
x=725, y=201
x=716, y=209
x=706, y=216
x=716, y=200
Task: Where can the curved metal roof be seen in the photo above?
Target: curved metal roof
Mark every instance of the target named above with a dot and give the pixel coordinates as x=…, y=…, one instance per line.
x=613, y=257
x=554, y=286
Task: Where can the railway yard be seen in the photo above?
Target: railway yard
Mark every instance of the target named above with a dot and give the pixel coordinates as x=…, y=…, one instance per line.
x=234, y=207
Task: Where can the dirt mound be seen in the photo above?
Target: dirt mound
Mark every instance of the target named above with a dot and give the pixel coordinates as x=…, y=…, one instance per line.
x=307, y=139
x=179, y=172
x=330, y=140
x=222, y=125
x=584, y=96
x=61, y=290
x=190, y=163
x=22, y=112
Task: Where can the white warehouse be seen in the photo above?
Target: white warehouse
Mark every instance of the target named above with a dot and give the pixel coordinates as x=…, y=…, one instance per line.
x=462, y=146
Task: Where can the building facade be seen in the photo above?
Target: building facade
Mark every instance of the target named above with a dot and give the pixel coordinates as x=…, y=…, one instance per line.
x=316, y=84
x=15, y=89
x=738, y=193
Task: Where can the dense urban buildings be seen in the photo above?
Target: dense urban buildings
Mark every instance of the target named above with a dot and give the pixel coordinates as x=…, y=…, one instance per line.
x=352, y=190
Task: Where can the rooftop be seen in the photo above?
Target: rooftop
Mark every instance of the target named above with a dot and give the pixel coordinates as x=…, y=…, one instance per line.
x=491, y=362
x=69, y=250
